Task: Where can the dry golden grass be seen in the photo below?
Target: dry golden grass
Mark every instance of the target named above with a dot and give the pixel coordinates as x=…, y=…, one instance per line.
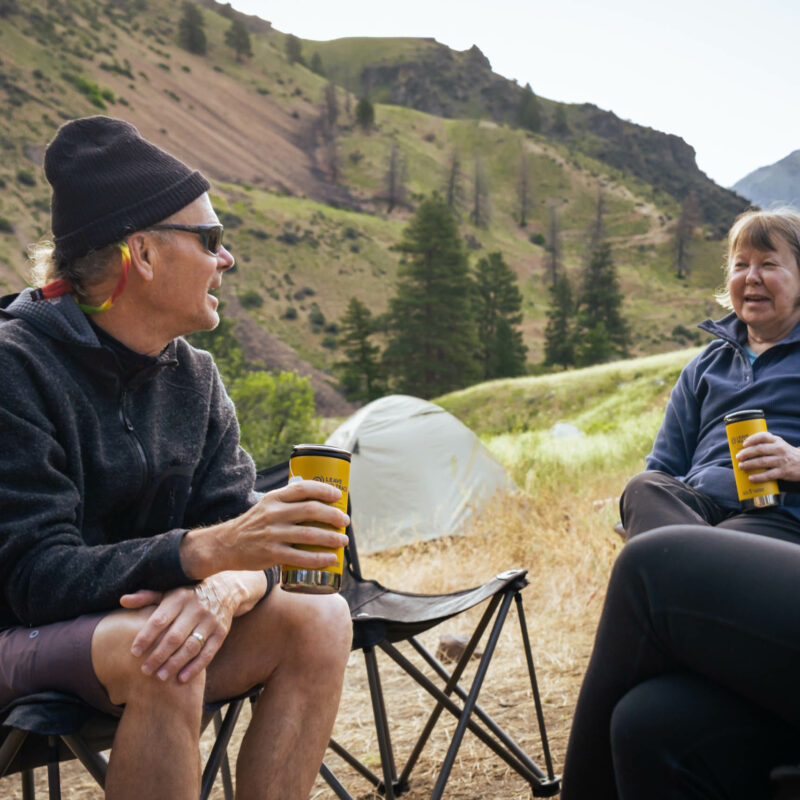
x=567, y=545
x=566, y=542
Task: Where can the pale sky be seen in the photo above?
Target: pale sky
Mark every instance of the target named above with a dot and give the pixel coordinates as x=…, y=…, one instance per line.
x=721, y=74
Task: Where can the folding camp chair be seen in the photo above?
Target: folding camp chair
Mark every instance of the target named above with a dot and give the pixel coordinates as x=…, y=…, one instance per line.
x=48, y=728
x=382, y=618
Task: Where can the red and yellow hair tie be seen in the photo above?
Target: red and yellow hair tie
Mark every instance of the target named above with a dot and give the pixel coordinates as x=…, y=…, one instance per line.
x=62, y=286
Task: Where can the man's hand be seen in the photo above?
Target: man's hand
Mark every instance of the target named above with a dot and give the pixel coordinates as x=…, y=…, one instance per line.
x=263, y=536
x=767, y=457
x=188, y=625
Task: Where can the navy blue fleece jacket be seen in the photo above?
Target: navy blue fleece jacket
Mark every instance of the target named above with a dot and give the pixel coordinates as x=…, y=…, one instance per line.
x=101, y=470
x=691, y=443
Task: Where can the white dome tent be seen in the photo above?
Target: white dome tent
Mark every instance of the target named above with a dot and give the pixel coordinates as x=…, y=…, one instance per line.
x=417, y=472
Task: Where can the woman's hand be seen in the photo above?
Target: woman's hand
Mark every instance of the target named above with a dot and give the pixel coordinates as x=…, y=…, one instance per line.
x=767, y=457
x=263, y=535
x=189, y=624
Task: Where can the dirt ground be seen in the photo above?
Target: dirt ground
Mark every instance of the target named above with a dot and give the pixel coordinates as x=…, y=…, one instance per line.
x=568, y=554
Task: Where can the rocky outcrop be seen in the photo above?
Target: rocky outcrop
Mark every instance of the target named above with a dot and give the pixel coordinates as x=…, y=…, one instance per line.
x=446, y=83
x=664, y=160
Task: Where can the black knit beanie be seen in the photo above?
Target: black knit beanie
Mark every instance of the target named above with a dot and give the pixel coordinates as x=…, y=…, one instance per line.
x=108, y=182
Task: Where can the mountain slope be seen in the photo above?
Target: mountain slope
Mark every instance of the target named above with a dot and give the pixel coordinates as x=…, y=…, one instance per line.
x=428, y=76
x=775, y=185
x=304, y=213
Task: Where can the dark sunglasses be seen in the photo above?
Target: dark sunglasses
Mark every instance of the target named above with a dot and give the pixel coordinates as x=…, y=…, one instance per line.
x=210, y=234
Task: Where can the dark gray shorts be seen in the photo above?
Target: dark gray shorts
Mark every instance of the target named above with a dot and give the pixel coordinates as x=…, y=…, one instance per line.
x=58, y=657
x=55, y=657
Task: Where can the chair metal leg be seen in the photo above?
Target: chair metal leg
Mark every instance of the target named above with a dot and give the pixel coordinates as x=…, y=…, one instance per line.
x=28, y=787
x=381, y=724
x=332, y=781
x=503, y=746
x=95, y=763
x=544, y=783
x=533, y=773
x=225, y=767
x=355, y=763
x=53, y=774
x=451, y=684
x=220, y=748
x=534, y=688
x=10, y=748
x=472, y=698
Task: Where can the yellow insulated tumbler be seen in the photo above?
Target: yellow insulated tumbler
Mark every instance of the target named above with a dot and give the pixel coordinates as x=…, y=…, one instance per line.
x=739, y=425
x=319, y=462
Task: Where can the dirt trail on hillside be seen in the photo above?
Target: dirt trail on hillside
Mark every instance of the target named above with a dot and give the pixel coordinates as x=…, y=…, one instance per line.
x=658, y=231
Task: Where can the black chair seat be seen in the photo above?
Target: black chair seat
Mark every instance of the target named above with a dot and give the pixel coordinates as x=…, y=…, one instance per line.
x=57, y=715
x=379, y=613
x=48, y=728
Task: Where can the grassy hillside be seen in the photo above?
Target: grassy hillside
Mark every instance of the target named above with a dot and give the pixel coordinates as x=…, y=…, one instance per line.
x=599, y=399
x=617, y=408
x=307, y=239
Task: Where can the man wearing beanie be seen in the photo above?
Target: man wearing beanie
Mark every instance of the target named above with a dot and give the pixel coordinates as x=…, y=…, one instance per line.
x=138, y=565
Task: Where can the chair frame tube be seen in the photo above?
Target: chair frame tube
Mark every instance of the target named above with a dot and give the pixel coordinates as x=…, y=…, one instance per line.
x=10, y=747
x=382, y=725
x=95, y=763
x=219, y=751
x=542, y=785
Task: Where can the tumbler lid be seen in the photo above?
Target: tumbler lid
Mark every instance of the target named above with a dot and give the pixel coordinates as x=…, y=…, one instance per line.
x=320, y=450
x=747, y=413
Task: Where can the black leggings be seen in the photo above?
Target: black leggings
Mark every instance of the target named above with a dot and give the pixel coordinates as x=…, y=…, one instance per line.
x=693, y=687
x=654, y=499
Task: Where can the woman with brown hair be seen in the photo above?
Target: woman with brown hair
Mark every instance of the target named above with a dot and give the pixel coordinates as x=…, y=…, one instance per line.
x=692, y=687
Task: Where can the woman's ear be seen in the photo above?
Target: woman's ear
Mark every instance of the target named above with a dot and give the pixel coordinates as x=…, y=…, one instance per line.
x=143, y=254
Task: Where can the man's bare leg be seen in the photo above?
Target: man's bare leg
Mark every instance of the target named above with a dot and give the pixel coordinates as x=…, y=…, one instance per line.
x=297, y=645
x=155, y=752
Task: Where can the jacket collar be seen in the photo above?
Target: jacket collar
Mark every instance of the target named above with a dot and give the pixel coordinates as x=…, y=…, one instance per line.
x=731, y=329
x=62, y=320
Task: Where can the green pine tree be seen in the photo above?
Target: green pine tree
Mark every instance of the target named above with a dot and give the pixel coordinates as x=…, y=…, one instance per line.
x=498, y=312
x=294, y=50
x=238, y=38
x=594, y=346
x=361, y=373
x=433, y=341
x=528, y=111
x=560, y=123
x=316, y=64
x=191, y=35
x=602, y=330
x=365, y=113
x=559, y=338
x=508, y=354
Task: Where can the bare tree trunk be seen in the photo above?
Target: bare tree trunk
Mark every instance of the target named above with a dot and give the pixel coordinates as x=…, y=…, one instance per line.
x=480, y=200
x=554, y=245
x=523, y=190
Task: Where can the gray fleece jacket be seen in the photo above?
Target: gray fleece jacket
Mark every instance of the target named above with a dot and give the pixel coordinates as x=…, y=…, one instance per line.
x=103, y=468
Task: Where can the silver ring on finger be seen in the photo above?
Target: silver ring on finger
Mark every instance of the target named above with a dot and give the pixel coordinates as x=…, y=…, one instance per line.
x=199, y=636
